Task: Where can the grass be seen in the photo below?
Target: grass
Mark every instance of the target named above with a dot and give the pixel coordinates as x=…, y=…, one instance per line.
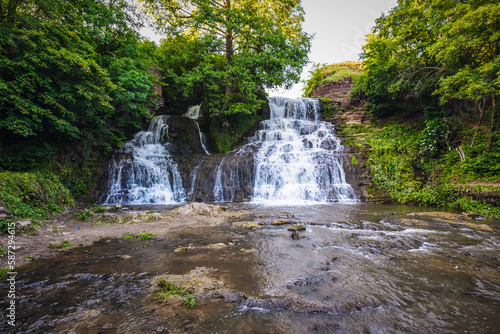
x=142, y=236
x=63, y=244
x=407, y=174
x=99, y=209
x=322, y=74
x=33, y=195
x=85, y=214
x=3, y=273
x=171, y=290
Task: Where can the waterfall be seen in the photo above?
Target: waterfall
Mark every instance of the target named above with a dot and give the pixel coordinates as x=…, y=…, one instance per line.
x=143, y=170
x=299, y=160
x=193, y=112
x=218, y=188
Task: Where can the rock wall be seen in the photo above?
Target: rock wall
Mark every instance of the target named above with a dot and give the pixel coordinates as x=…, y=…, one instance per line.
x=231, y=176
x=351, y=111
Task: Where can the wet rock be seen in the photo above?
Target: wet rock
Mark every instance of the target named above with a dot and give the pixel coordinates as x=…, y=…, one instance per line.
x=309, y=281
x=278, y=222
x=201, y=209
x=438, y=214
x=297, y=227
x=233, y=297
x=248, y=224
x=90, y=314
x=295, y=235
x=218, y=246
x=4, y=213
x=200, y=281
x=320, y=224
x=251, y=250
x=23, y=223
x=453, y=219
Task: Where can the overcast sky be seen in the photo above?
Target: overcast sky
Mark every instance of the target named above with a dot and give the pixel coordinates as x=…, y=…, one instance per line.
x=339, y=27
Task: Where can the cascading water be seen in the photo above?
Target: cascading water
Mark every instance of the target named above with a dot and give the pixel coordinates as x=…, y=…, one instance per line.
x=143, y=170
x=300, y=158
x=193, y=112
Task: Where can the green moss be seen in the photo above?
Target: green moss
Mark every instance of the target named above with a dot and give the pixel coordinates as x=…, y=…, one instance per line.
x=171, y=290
x=84, y=215
x=142, y=236
x=3, y=273
x=63, y=244
x=321, y=74
x=33, y=195
x=408, y=174
x=99, y=209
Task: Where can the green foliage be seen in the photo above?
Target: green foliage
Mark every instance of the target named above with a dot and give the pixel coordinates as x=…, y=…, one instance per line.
x=409, y=173
x=84, y=215
x=169, y=289
x=322, y=74
x=63, y=244
x=3, y=272
x=99, y=209
x=354, y=160
x=71, y=73
x=391, y=162
x=4, y=226
x=142, y=236
x=328, y=108
x=224, y=53
x=33, y=195
x=226, y=131
x=432, y=138
x=429, y=51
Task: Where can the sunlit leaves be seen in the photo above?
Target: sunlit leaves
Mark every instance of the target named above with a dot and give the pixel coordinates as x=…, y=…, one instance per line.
x=70, y=73
x=261, y=43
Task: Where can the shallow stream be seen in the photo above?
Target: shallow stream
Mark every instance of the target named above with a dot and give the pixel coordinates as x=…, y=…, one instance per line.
x=357, y=268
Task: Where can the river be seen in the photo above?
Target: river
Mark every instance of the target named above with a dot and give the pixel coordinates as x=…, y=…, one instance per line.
x=357, y=268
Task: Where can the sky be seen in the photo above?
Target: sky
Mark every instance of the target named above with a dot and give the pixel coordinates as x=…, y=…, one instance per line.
x=339, y=28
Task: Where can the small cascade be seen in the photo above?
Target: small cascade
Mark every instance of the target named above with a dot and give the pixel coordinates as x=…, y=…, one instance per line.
x=218, y=188
x=143, y=171
x=299, y=160
x=193, y=112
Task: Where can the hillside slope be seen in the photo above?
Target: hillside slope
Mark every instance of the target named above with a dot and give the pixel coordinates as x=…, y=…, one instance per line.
x=409, y=159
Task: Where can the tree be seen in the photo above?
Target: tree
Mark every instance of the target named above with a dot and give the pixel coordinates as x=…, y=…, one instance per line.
x=261, y=43
x=447, y=50
x=70, y=73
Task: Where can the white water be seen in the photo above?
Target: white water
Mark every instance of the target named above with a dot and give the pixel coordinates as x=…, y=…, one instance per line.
x=300, y=158
x=193, y=112
x=143, y=171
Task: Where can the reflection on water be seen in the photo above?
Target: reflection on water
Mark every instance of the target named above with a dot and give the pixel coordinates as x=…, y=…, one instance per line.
x=355, y=269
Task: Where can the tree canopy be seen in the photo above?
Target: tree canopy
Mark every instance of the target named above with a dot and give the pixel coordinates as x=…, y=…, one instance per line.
x=246, y=46
x=70, y=73
x=448, y=50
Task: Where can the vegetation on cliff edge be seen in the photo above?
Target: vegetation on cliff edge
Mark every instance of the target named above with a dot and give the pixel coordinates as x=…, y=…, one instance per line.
x=431, y=79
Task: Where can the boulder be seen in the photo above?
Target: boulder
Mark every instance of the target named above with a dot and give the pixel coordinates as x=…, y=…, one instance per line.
x=4, y=213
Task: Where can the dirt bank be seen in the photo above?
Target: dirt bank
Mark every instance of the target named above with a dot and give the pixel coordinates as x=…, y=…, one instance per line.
x=33, y=241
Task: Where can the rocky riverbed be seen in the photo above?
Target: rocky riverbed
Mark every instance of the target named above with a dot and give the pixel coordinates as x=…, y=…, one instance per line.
x=251, y=269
